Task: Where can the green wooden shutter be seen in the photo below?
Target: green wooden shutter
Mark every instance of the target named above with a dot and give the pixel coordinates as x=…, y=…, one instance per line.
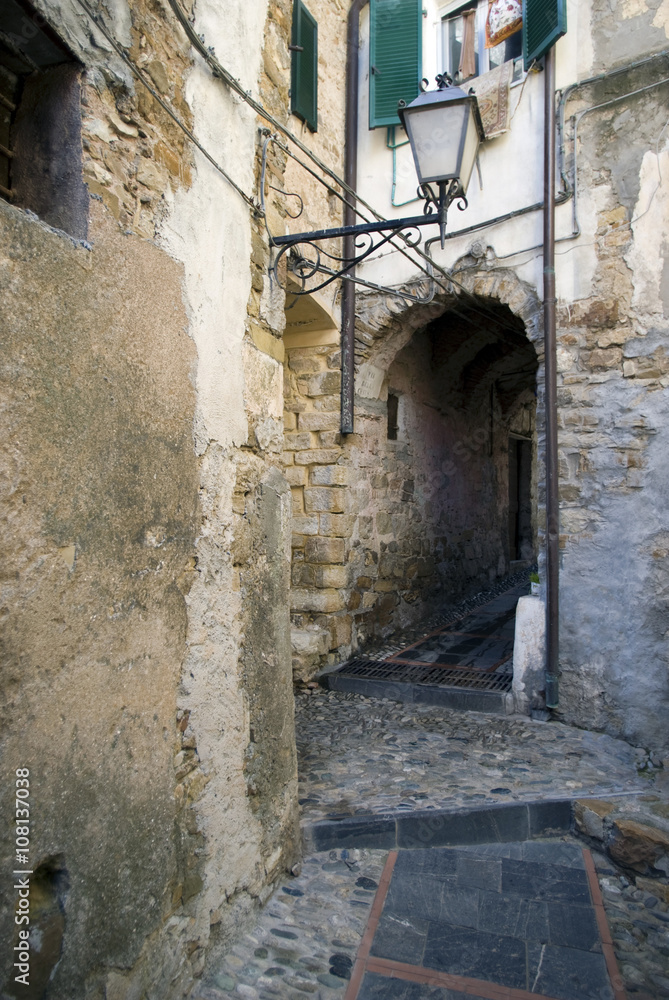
x=395, y=51
x=304, y=68
x=544, y=21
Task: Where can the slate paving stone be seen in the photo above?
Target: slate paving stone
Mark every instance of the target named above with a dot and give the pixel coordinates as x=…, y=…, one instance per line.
x=521, y=918
x=568, y=973
x=401, y=938
x=424, y=898
x=466, y=923
x=573, y=927
x=380, y=988
x=478, y=873
x=544, y=882
x=463, y=951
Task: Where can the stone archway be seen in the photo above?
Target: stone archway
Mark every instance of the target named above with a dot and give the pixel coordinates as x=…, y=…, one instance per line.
x=412, y=509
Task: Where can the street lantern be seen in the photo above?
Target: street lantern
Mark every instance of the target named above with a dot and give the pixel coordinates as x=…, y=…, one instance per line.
x=444, y=129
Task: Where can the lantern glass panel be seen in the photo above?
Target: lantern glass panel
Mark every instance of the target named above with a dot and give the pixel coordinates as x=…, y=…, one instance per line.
x=435, y=134
x=470, y=150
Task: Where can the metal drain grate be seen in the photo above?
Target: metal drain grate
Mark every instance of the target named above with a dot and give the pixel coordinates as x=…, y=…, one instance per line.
x=398, y=673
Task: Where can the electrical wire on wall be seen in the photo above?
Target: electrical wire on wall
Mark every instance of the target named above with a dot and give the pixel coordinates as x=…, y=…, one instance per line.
x=429, y=268
x=250, y=201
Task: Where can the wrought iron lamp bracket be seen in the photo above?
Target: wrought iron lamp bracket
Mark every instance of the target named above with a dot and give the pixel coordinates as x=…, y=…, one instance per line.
x=307, y=259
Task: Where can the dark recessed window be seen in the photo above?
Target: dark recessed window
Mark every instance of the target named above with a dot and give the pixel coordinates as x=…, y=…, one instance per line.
x=393, y=410
x=40, y=121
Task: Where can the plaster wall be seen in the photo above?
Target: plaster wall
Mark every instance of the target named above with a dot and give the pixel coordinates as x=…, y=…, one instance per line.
x=612, y=330
x=146, y=591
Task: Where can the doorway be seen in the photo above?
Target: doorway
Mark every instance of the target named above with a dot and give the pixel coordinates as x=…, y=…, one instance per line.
x=521, y=547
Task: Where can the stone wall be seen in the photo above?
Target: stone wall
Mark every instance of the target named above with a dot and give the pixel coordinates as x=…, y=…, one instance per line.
x=614, y=409
x=384, y=530
x=146, y=626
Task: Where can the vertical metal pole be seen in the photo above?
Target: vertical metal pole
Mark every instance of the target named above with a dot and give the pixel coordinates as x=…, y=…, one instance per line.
x=350, y=176
x=550, y=361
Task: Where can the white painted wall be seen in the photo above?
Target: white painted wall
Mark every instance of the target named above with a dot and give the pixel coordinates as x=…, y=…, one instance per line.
x=511, y=170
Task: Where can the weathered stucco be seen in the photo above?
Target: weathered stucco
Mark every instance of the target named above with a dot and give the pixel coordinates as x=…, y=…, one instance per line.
x=147, y=572
x=100, y=515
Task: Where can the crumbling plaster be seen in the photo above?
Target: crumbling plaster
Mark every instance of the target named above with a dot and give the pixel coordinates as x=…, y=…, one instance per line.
x=219, y=780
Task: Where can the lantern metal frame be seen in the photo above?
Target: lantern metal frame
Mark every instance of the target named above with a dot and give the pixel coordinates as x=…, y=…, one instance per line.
x=306, y=257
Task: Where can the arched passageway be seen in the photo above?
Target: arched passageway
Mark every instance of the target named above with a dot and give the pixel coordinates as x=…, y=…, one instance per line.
x=434, y=495
x=452, y=498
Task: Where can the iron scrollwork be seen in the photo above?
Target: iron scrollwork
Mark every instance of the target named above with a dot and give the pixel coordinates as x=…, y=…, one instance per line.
x=312, y=267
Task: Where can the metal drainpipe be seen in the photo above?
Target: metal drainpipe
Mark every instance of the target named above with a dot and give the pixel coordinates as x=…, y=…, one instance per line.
x=550, y=365
x=350, y=176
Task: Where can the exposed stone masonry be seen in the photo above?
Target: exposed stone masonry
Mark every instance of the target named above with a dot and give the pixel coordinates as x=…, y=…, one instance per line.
x=384, y=529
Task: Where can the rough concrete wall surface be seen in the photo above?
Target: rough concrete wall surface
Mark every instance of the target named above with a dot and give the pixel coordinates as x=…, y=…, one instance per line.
x=149, y=436
x=100, y=515
x=613, y=416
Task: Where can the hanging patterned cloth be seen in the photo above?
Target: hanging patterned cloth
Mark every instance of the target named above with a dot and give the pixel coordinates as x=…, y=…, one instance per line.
x=505, y=17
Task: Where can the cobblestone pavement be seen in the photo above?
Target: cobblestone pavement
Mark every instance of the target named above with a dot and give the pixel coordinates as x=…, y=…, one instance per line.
x=306, y=939
x=358, y=755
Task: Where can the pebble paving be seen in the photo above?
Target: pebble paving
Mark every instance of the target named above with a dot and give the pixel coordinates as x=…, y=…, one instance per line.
x=306, y=939
x=361, y=756
x=358, y=755
x=639, y=923
x=307, y=936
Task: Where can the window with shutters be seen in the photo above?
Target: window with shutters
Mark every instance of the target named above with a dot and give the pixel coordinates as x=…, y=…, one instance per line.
x=304, y=68
x=396, y=28
x=544, y=21
x=463, y=43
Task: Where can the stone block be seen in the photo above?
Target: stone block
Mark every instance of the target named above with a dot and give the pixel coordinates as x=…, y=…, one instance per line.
x=609, y=357
x=329, y=439
x=636, y=845
x=324, y=499
x=589, y=815
x=311, y=641
x=323, y=384
x=331, y=576
x=303, y=575
x=304, y=366
x=298, y=500
x=296, y=475
x=529, y=682
x=318, y=456
x=341, y=631
x=305, y=525
x=596, y=313
x=329, y=475
x=340, y=525
x=297, y=441
x=317, y=420
x=654, y=887
x=325, y=550
x=289, y=421
x=384, y=523
x=323, y=601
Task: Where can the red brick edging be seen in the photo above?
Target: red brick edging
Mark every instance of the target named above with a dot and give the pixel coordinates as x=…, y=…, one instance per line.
x=603, y=925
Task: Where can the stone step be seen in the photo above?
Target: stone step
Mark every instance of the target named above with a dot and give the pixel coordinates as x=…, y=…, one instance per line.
x=486, y=824
x=459, y=698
